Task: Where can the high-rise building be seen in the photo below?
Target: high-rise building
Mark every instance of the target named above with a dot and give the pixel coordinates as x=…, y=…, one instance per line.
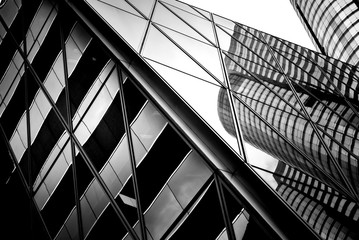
x=121, y=119
x=296, y=105
x=333, y=27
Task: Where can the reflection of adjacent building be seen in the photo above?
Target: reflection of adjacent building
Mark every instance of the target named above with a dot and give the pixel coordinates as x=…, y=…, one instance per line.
x=333, y=27
x=330, y=214
x=298, y=118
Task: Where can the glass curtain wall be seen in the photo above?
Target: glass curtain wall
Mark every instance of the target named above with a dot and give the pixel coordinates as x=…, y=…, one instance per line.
x=272, y=102
x=96, y=157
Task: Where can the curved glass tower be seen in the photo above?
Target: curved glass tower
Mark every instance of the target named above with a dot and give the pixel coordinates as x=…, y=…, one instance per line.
x=333, y=27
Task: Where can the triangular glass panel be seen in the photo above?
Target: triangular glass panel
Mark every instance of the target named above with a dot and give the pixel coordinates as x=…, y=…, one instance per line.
x=160, y=49
x=203, y=13
x=144, y=6
x=198, y=22
x=120, y=4
x=205, y=54
x=182, y=6
x=129, y=26
x=188, y=88
x=166, y=18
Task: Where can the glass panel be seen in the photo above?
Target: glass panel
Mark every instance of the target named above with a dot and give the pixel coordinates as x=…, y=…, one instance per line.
x=121, y=21
x=166, y=18
x=173, y=56
x=9, y=12
x=110, y=178
x=162, y=213
x=41, y=196
x=138, y=148
x=240, y=225
x=40, y=18
x=71, y=225
x=120, y=160
x=189, y=178
x=148, y=125
x=88, y=217
x=98, y=109
x=81, y=37
x=53, y=85
x=96, y=198
x=144, y=6
x=199, y=223
x=56, y=173
x=73, y=54
x=58, y=68
x=36, y=120
x=121, y=4
x=199, y=23
x=203, y=53
x=206, y=105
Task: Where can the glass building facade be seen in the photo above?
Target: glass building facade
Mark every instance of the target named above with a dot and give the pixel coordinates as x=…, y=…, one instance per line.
x=333, y=27
x=157, y=120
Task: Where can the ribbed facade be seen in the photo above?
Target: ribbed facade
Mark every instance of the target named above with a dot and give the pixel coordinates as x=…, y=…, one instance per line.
x=131, y=120
x=326, y=211
x=295, y=105
x=333, y=27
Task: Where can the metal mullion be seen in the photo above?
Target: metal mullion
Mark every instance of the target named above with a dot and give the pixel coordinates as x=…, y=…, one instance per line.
x=189, y=24
x=28, y=126
x=240, y=138
x=22, y=178
x=336, y=164
x=132, y=156
x=147, y=27
x=224, y=209
x=188, y=55
x=334, y=181
x=87, y=160
x=70, y=128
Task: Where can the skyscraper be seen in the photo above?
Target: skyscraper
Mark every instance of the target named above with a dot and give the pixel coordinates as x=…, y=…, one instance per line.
x=110, y=127
x=333, y=27
x=294, y=104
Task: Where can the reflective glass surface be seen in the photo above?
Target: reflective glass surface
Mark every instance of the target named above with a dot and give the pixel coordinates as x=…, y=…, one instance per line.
x=105, y=154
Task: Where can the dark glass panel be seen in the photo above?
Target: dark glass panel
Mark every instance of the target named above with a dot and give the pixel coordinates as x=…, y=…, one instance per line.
x=20, y=219
x=161, y=161
x=48, y=52
x=85, y=73
x=60, y=204
x=7, y=47
x=108, y=226
x=133, y=98
x=46, y=138
x=84, y=176
x=106, y=135
x=253, y=231
x=205, y=221
x=129, y=211
x=6, y=166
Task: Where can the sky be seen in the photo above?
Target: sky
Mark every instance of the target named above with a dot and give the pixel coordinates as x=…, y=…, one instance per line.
x=276, y=17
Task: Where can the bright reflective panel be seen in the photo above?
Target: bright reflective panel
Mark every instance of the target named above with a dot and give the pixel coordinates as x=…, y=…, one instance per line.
x=122, y=22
